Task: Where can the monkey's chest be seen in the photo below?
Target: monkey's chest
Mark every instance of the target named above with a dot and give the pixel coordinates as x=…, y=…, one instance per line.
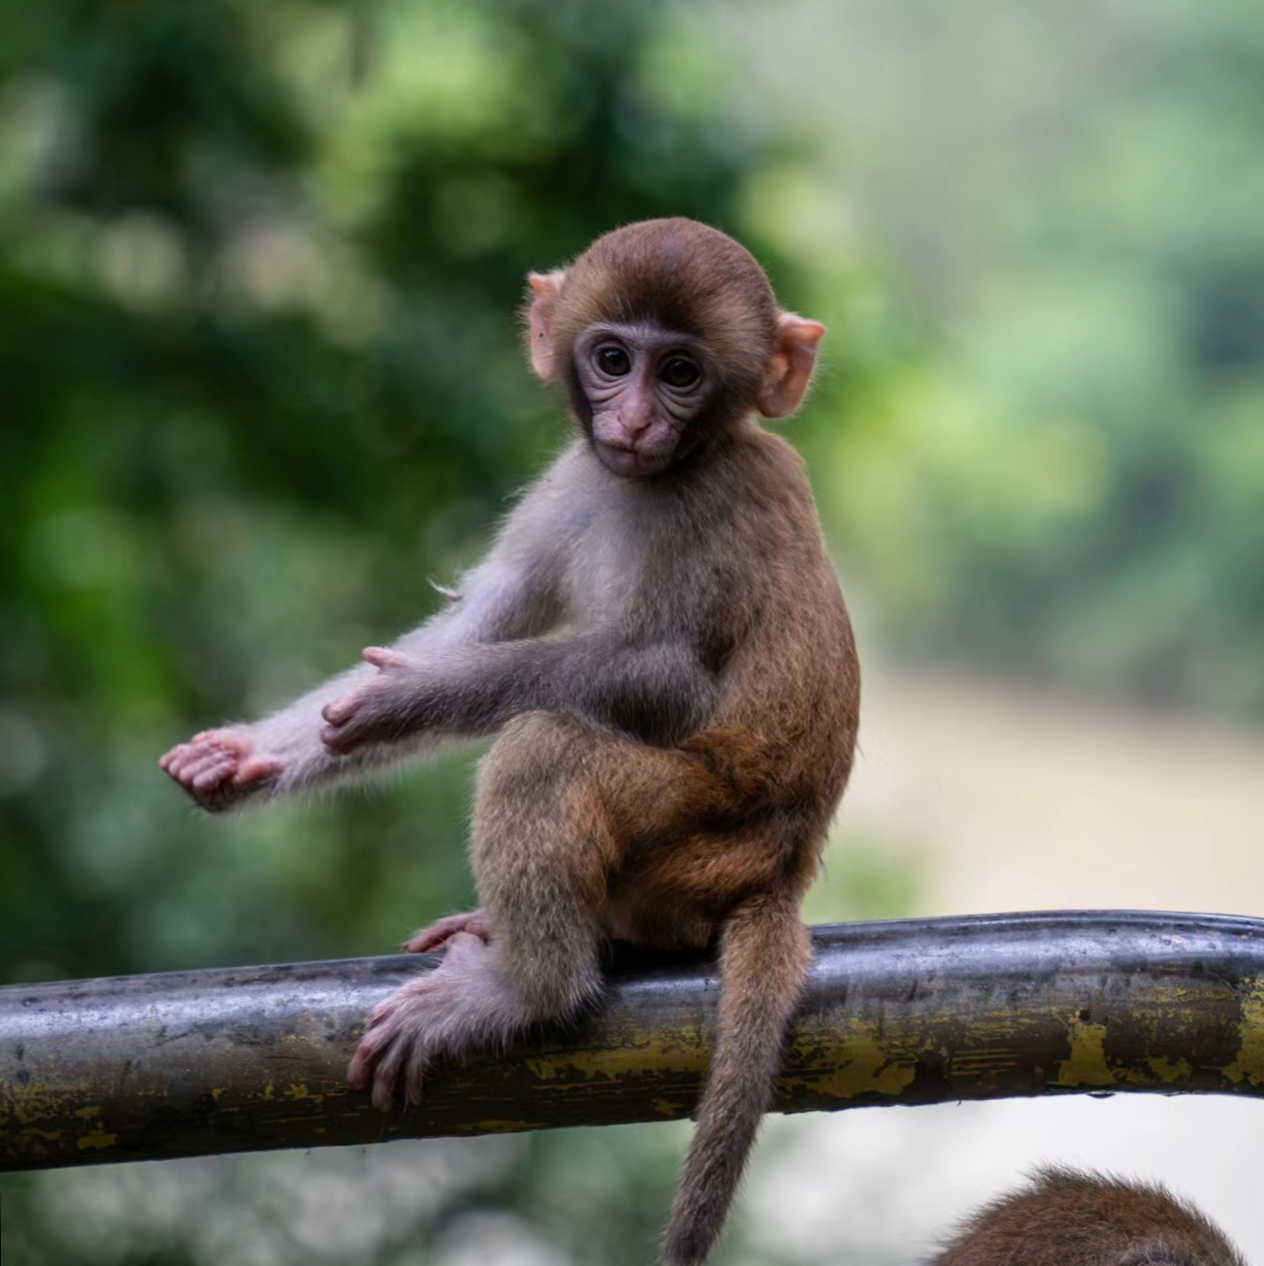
x=608, y=576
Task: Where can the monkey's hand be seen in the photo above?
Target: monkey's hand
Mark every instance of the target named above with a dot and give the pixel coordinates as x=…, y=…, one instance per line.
x=440, y=1014
x=220, y=768
x=390, y=705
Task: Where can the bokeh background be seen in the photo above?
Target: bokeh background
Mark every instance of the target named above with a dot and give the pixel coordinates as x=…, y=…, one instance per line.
x=260, y=262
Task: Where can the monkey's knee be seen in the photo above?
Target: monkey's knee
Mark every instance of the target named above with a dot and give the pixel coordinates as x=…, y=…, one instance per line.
x=536, y=755
x=540, y=799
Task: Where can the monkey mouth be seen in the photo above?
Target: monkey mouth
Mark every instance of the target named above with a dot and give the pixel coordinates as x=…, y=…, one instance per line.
x=630, y=463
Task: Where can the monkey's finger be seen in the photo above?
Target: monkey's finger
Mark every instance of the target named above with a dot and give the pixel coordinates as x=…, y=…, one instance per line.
x=256, y=769
x=188, y=758
x=387, y=1073
x=381, y=657
x=438, y=933
x=176, y=760
x=205, y=762
x=360, y=1070
x=210, y=777
x=167, y=759
x=423, y=941
x=415, y=1075
x=220, y=738
x=340, y=711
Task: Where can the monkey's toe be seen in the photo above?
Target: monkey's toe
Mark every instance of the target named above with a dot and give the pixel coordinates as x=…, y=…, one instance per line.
x=438, y=935
x=388, y=1057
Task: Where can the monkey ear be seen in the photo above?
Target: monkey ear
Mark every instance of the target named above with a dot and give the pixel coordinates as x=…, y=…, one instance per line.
x=790, y=369
x=545, y=289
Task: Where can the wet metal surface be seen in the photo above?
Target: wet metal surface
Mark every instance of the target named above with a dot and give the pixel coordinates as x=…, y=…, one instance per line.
x=918, y=1011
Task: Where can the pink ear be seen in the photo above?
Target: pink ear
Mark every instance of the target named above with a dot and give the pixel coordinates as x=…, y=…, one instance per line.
x=545, y=289
x=791, y=365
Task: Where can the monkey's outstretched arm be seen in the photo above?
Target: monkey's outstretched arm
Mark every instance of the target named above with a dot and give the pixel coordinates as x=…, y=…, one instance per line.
x=513, y=593
x=656, y=691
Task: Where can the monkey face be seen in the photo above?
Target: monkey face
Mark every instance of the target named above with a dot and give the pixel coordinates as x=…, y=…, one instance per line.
x=647, y=391
x=666, y=334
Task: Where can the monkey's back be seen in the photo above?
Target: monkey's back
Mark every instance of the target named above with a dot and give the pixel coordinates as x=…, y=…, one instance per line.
x=792, y=682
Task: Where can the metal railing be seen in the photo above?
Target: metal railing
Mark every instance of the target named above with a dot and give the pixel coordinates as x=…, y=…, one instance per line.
x=907, y=1012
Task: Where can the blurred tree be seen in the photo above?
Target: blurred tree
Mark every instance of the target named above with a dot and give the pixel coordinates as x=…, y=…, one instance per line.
x=259, y=267
x=1069, y=479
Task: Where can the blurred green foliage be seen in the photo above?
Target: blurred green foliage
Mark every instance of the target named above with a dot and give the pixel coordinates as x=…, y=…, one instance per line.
x=1067, y=477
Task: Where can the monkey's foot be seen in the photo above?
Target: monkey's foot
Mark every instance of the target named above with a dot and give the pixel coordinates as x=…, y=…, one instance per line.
x=439, y=934
x=461, y=1004
x=219, y=768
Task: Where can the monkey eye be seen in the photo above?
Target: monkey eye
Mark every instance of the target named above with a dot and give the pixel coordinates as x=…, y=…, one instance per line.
x=614, y=361
x=680, y=372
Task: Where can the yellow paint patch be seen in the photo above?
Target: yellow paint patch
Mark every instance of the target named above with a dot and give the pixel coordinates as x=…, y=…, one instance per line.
x=37, y=1103
x=97, y=1139
x=1249, y=1063
x=866, y=1066
x=984, y=1062
x=300, y=1090
x=1169, y=1070
x=1086, y=1064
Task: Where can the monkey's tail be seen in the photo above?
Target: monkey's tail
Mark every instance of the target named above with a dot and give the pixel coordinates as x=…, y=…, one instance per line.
x=764, y=953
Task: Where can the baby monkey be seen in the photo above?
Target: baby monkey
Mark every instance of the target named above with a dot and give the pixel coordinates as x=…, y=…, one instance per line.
x=1064, y=1218
x=658, y=640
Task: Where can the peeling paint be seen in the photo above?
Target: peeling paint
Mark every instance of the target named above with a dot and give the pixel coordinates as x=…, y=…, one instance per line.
x=632, y=1062
x=1086, y=1063
x=1170, y=1070
x=97, y=1139
x=866, y=1066
x=1249, y=1064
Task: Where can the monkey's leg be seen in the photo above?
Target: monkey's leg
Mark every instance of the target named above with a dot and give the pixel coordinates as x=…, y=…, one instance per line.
x=542, y=847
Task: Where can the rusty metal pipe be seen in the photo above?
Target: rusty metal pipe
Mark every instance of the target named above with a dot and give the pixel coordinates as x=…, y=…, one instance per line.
x=908, y=1012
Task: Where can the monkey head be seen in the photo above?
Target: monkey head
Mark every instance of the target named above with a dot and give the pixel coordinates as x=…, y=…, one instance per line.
x=664, y=334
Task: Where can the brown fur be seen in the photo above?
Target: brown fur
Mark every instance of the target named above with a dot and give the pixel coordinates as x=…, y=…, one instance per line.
x=1064, y=1218
x=660, y=642
x=722, y=836
x=683, y=275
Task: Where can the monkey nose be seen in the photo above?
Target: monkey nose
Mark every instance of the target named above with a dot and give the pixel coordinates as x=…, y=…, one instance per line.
x=636, y=422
